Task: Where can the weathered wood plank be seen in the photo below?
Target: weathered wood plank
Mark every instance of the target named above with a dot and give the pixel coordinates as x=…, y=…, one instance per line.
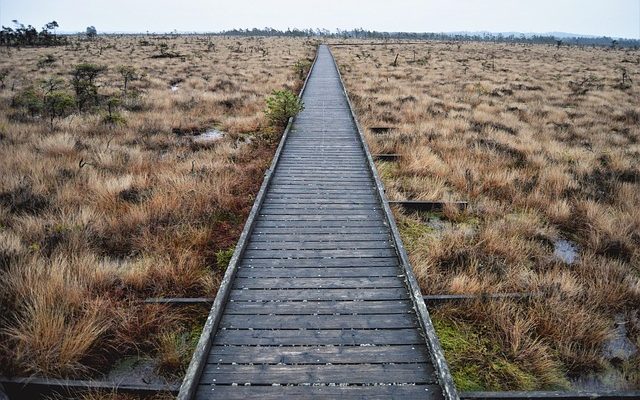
x=345, y=262
x=405, y=392
x=306, y=213
x=318, y=355
x=317, y=283
x=309, y=231
x=319, y=237
x=308, y=337
x=290, y=272
x=345, y=244
x=317, y=221
x=300, y=374
x=331, y=253
x=319, y=294
x=324, y=321
x=318, y=307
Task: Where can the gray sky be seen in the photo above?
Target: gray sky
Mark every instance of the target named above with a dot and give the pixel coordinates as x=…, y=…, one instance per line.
x=620, y=18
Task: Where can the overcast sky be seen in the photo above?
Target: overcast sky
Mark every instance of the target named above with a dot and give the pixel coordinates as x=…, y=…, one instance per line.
x=619, y=18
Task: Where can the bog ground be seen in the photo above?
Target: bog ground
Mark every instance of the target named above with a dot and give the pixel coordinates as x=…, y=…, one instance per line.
x=119, y=197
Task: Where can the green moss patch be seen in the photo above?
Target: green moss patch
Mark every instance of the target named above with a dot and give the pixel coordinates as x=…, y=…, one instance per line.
x=477, y=363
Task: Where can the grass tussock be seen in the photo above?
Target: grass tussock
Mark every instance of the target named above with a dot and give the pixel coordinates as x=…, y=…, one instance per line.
x=543, y=144
x=112, y=201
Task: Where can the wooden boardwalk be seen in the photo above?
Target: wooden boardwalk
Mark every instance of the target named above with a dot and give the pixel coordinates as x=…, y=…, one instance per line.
x=319, y=300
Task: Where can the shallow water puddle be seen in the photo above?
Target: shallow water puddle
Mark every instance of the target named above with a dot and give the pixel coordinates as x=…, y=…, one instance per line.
x=617, y=350
x=210, y=135
x=565, y=250
x=619, y=347
x=136, y=370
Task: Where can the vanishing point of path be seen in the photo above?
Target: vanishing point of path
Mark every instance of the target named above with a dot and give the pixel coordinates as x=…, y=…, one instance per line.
x=318, y=303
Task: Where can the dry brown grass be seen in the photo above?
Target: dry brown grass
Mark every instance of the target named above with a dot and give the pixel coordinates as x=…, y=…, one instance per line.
x=544, y=145
x=145, y=212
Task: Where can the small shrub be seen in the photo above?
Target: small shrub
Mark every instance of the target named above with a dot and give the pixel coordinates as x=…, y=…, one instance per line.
x=113, y=117
x=57, y=104
x=223, y=257
x=46, y=61
x=281, y=105
x=128, y=74
x=29, y=100
x=84, y=83
x=4, y=72
x=301, y=67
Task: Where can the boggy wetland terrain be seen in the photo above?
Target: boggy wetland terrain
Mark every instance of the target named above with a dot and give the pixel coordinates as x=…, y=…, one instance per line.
x=109, y=194
x=542, y=142
x=128, y=165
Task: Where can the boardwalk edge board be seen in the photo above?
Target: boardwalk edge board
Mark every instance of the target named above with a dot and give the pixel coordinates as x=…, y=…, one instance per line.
x=437, y=354
x=199, y=359
x=18, y=388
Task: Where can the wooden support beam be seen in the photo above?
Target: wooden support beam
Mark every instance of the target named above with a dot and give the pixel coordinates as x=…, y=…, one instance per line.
x=440, y=298
x=574, y=395
x=179, y=300
x=386, y=157
x=3, y=393
x=30, y=388
x=428, y=206
x=379, y=130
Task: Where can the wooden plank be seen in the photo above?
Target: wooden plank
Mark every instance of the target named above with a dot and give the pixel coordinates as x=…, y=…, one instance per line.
x=336, y=224
x=322, y=186
x=345, y=244
x=386, y=157
x=320, y=199
x=346, y=262
x=301, y=374
x=428, y=206
x=297, y=254
x=309, y=337
x=347, y=321
x=34, y=387
x=320, y=237
x=318, y=294
x=363, y=216
x=340, y=230
x=318, y=170
x=318, y=192
x=318, y=307
x=440, y=298
x=179, y=300
x=341, y=272
x=313, y=173
x=310, y=181
x=318, y=283
x=386, y=392
x=314, y=207
x=319, y=213
x=318, y=355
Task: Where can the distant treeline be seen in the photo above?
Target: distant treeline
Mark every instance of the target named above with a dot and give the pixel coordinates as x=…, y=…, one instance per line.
x=29, y=36
x=23, y=35
x=484, y=37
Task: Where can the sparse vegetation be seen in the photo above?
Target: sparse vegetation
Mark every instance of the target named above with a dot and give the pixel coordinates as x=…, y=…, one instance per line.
x=543, y=144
